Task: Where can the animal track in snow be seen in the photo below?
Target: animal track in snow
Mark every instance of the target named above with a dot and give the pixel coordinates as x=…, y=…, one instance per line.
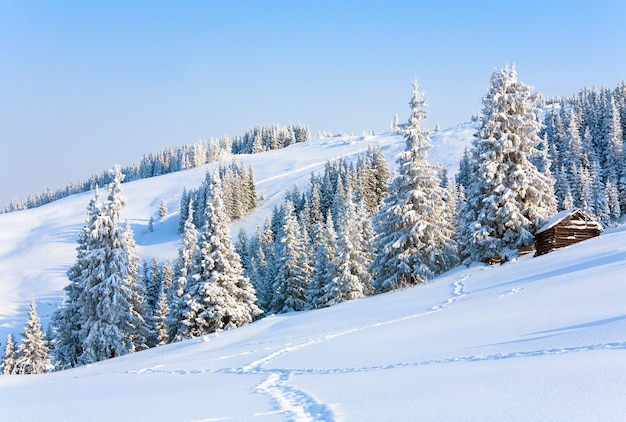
x=510, y=292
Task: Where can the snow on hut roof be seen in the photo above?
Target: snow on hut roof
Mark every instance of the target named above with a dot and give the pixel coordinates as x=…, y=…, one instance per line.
x=568, y=213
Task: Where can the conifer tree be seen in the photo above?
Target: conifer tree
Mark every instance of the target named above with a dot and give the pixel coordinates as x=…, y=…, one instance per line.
x=140, y=328
x=110, y=324
x=395, y=124
x=185, y=200
x=250, y=190
x=167, y=274
x=508, y=199
x=153, y=285
x=351, y=259
x=7, y=365
x=184, y=262
x=67, y=319
x=216, y=296
x=162, y=210
x=323, y=269
x=160, y=323
x=33, y=356
x=262, y=265
x=413, y=239
x=292, y=268
x=572, y=159
x=372, y=174
x=615, y=168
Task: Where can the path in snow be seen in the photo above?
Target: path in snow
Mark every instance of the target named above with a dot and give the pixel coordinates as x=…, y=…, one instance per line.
x=294, y=402
x=299, y=405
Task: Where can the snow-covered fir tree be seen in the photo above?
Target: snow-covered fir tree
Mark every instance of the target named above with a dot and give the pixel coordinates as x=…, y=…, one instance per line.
x=184, y=262
x=216, y=296
x=323, y=269
x=413, y=239
x=110, y=325
x=261, y=252
x=67, y=319
x=293, y=270
x=615, y=168
x=352, y=258
x=152, y=281
x=33, y=355
x=141, y=330
x=162, y=210
x=372, y=178
x=160, y=324
x=508, y=198
x=9, y=357
x=393, y=127
x=167, y=275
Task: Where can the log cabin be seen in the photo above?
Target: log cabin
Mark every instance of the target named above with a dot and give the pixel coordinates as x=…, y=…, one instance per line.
x=566, y=228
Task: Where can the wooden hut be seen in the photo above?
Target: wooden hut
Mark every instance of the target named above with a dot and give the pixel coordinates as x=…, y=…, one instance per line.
x=566, y=228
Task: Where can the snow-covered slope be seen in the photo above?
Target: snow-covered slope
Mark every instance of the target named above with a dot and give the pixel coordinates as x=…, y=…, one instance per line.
x=37, y=246
x=537, y=339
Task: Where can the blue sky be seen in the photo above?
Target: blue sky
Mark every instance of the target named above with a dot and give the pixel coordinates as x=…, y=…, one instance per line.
x=86, y=84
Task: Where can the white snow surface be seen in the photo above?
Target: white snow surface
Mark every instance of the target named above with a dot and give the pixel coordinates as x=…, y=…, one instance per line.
x=535, y=339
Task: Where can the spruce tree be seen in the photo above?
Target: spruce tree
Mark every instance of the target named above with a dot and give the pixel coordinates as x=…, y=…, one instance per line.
x=67, y=319
x=413, y=239
x=261, y=266
x=615, y=167
x=160, y=323
x=110, y=324
x=162, y=210
x=508, y=198
x=9, y=358
x=323, y=269
x=216, y=296
x=292, y=268
x=33, y=356
x=186, y=253
x=139, y=307
x=351, y=259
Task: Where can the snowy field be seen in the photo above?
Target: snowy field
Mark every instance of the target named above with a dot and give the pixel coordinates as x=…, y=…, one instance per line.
x=537, y=339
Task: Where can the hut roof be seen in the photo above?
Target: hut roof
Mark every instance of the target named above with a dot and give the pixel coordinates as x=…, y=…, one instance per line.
x=563, y=215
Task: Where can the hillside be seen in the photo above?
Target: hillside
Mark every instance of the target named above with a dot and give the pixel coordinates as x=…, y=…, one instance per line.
x=38, y=245
x=536, y=339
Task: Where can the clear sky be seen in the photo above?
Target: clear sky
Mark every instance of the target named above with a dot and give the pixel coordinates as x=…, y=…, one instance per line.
x=88, y=84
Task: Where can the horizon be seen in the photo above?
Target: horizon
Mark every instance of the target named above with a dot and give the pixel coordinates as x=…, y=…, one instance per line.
x=89, y=85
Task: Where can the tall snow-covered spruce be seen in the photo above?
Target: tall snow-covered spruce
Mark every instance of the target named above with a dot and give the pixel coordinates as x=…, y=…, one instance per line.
x=102, y=300
x=508, y=198
x=413, y=238
x=293, y=268
x=216, y=295
x=175, y=292
x=67, y=319
x=352, y=256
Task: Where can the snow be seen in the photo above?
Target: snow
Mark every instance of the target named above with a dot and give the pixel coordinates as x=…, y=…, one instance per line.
x=535, y=339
